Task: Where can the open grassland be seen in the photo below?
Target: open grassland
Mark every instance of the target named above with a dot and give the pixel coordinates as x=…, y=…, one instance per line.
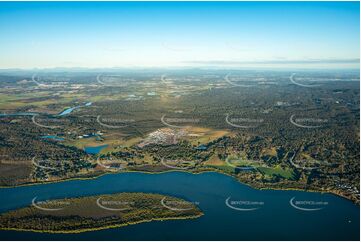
x=272, y=171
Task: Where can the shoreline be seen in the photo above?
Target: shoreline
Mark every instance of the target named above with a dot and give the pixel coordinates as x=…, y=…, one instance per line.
x=102, y=228
x=185, y=171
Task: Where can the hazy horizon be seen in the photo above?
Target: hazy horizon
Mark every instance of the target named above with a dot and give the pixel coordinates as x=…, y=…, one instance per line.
x=262, y=35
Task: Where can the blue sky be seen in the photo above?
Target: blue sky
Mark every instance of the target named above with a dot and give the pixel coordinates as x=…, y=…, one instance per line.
x=162, y=34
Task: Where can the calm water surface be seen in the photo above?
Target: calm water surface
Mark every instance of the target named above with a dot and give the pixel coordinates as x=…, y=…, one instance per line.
x=94, y=149
x=273, y=219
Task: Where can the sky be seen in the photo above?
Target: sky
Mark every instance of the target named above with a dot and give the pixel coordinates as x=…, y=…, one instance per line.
x=179, y=34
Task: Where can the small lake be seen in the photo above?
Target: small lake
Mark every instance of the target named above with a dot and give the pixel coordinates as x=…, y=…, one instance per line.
x=276, y=219
x=69, y=110
x=93, y=150
x=64, y=112
x=17, y=114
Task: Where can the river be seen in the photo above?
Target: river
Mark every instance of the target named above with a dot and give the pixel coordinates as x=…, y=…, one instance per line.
x=256, y=214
